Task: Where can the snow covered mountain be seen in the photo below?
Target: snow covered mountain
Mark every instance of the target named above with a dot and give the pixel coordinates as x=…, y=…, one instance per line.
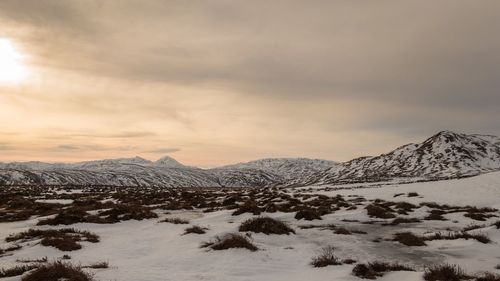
x=165, y=172
x=442, y=156
x=136, y=171
x=275, y=171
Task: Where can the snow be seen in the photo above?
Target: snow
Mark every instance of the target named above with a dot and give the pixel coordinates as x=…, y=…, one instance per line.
x=55, y=201
x=483, y=190
x=150, y=251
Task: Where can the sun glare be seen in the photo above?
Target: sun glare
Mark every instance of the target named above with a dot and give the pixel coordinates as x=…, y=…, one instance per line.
x=12, y=68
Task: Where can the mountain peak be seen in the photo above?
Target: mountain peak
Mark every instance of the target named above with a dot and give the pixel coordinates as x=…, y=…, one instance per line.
x=168, y=162
x=447, y=135
x=135, y=159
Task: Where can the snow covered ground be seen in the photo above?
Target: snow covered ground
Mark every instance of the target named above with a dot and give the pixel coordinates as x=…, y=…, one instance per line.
x=148, y=250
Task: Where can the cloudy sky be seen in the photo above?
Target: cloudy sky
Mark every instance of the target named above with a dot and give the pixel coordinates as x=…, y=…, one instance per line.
x=216, y=82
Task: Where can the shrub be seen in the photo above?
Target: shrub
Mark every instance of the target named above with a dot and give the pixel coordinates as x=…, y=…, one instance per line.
x=342, y=231
x=488, y=276
x=364, y=271
x=435, y=215
x=248, y=207
x=125, y=212
x=379, y=212
x=409, y=239
x=16, y=270
x=230, y=241
x=63, y=239
x=480, y=237
x=67, y=217
x=385, y=267
x=266, y=225
x=400, y=220
x=58, y=271
x=473, y=226
x=64, y=243
x=404, y=207
x=307, y=214
x=195, y=229
x=325, y=258
x=446, y=272
x=477, y=216
x=175, y=221
x=376, y=269
x=497, y=224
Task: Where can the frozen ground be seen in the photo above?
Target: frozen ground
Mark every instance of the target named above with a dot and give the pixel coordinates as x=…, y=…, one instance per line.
x=148, y=250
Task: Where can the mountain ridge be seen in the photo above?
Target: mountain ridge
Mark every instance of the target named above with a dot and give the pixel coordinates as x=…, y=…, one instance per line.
x=444, y=155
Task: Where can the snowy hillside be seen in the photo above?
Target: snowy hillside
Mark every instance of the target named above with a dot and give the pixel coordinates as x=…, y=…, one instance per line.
x=442, y=156
x=282, y=171
x=165, y=172
x=136, y=171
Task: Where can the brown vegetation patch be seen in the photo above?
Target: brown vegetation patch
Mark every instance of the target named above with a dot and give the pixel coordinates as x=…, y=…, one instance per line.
x=230, y=241
x=58, y=271
x=16, y=270
x=446, y=272
x=307, y=214
x=266, y=225
x=379, y=211
x=63, y=239
x=175, y=221
x=326, y=258
x=195, y=230
x=409, y=239
x=377, y=269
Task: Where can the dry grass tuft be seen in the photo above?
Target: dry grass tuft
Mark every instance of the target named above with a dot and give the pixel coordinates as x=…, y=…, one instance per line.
x=266, y=225
x=63, y=239
x=409, y=239
x=326, y=258
x=307, y=214
x=230, y=241
x=16, y=270
x=446, y=272
x=175, y=221
x=195, y=229
x=380, y=212
x=377, y=269
x=58, y=271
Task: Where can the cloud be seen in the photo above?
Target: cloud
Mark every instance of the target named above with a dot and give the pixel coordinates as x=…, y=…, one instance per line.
x=446, y=57
x=5, y=147
x=66, y=147
x=119, y=135
x=166, y=150
x=254, y=77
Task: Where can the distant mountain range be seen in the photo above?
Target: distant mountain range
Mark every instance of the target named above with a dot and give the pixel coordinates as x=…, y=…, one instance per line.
x=443, y=156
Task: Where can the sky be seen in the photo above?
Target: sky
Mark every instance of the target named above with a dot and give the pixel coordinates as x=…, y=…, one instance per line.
x=217, y=82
